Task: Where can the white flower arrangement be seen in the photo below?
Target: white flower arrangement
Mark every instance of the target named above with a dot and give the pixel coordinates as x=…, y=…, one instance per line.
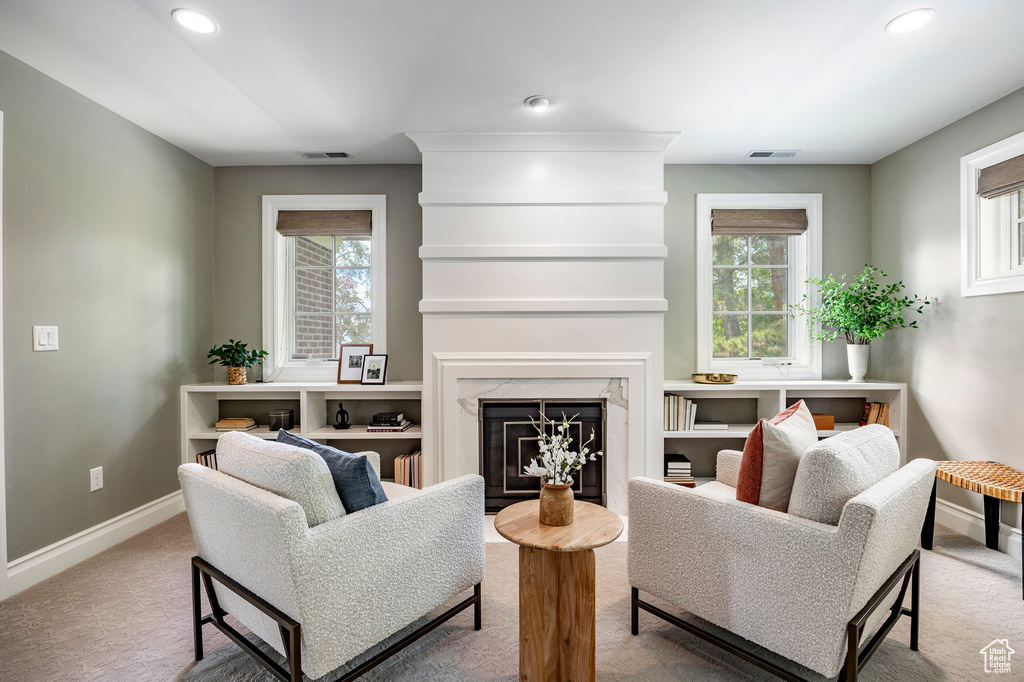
x=558, y=463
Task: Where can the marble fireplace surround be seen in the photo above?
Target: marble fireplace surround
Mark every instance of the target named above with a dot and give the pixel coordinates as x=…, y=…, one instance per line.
x=621, y=380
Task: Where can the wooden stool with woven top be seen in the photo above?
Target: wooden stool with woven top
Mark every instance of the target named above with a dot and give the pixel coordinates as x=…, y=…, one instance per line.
x=997, y=482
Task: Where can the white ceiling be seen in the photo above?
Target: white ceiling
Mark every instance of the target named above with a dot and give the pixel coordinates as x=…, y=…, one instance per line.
x=285, y=76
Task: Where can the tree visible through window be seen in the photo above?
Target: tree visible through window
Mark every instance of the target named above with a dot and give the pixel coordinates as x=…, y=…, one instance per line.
x=750, y=284
x=332, y=295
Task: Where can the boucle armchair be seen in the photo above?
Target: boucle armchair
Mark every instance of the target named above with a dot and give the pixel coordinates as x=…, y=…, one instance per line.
x=808, y=585
x=322, y=593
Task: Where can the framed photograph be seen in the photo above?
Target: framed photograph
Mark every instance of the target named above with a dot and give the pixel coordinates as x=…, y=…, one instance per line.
x=375, y=368
x=350, y=364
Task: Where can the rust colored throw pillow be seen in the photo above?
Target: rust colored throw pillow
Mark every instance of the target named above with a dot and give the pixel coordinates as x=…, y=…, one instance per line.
x=771, y=455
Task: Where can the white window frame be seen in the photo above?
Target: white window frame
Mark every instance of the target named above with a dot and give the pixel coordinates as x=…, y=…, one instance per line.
x=277, y=319
x=805, y=256
x=971, y=281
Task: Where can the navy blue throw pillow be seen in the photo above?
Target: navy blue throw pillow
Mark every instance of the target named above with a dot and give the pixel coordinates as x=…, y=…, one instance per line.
x=354, y=478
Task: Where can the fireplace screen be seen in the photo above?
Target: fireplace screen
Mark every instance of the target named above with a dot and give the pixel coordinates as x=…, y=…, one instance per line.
x=509, y=442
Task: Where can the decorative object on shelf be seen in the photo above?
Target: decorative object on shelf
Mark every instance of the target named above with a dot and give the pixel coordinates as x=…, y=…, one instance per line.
x=341, y=418
x=282, y=419
x=557, y=466
x=350, y=362
x=375, y=368
x=861, y=310
x=823, y=422
x=237, y=358
x=714, y=378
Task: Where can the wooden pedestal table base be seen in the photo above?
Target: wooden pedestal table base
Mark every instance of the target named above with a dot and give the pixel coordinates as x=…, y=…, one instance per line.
x=556, y=588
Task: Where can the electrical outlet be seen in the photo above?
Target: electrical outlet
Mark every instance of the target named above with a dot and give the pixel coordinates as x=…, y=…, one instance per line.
x=95, y=479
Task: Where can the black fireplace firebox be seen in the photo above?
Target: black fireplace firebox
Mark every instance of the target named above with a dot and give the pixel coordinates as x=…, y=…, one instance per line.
x=508, y=441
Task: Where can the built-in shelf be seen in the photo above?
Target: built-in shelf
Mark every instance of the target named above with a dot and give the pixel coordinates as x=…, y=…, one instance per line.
x=314, y=405
x=742, y=404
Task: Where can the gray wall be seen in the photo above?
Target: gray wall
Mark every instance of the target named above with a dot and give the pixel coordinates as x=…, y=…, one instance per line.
x=108, y=233
x=964, y=365
x=238, y=268
x=846, y=206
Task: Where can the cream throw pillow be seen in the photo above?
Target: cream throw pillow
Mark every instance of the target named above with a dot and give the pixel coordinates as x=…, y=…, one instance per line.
x=771, y=456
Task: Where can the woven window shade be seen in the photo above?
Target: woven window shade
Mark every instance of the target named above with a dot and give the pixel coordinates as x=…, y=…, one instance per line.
x=756, y=222
x=1005, y=177
x=346, y=224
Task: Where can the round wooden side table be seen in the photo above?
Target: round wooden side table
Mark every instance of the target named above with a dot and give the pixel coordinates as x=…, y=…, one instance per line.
x=556, y=588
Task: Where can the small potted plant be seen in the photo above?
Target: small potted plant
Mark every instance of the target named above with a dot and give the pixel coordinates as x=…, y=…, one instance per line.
x=861, y=310
x=237, y=358
x=556, y=468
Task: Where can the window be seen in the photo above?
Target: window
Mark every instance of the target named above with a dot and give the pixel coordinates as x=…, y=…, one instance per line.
x=992, y=208
x=323, y=259
x=754, y=254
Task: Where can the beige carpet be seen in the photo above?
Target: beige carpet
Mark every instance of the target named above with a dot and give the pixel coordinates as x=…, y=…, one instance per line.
x=124, y=615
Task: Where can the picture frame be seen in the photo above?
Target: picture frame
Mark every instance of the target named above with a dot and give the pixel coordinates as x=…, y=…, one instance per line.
x=375, y=368
x=350, y=362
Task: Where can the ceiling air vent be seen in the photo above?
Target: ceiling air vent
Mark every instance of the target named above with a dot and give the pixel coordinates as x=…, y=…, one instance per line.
x=325, y=155
x=771, y=155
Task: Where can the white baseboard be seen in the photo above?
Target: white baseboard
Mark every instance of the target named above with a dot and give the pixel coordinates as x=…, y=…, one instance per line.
x=972, y=524
x=49, y=561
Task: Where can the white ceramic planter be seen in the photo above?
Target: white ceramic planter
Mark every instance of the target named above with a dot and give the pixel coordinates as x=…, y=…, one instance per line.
x=857, y=360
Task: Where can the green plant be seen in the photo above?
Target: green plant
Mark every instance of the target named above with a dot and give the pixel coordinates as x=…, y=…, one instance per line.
x=235, y=354
x=861, y=310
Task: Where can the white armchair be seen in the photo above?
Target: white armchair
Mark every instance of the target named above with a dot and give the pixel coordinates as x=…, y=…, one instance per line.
x=805, y=589
x=323, y=594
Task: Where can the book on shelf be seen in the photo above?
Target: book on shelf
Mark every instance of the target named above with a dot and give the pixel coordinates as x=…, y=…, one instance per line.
x=384, y=418
x=409, y=470
x=683, y=481
x=207, y=459
x=710, y=426
x=236, y=424
x=680, y=413
x=875, y=413
x=404, y=425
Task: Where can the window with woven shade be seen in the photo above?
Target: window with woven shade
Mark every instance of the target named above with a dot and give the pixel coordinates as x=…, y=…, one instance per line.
x=992, y=197
x=753, y=258
x=324, y=258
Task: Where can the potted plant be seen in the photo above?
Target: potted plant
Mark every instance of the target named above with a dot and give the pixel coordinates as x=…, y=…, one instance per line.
x=556, y=468
x=237, y=358
x=861, y=310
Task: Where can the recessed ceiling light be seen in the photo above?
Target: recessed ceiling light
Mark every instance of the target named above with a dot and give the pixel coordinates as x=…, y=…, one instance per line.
x=539, y=102
x=194, y=20
x=910, y=21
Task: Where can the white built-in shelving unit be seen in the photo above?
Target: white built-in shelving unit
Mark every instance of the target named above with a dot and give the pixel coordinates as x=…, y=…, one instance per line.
x=742, y=404
x=314, y=405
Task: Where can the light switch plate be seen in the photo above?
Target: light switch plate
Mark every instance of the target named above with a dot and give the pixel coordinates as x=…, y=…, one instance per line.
x=44, y=338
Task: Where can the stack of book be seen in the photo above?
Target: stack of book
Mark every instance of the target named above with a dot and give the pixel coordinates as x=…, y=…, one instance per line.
x=875, y=413
x=677, y=470
x=384, y=422
x=207, y=459
x=236, y=424
x=409, y=470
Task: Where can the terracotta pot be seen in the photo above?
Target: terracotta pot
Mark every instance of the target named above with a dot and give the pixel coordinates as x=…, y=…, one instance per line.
x=237, y=375
x=556, y=504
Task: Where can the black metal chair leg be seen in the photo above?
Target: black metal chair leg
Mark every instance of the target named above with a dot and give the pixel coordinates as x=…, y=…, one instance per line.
x=928, y=530
x=634, y=626
x=477, y=608
x=915, y=603
x=197, y=614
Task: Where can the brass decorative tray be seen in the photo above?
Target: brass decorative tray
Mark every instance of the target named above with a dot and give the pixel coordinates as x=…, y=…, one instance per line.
x=714, y=378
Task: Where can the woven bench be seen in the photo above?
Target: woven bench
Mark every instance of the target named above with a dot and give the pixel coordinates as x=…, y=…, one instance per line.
x=997, y=482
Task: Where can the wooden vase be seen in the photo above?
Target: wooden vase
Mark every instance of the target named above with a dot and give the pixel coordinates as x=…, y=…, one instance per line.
x=236, y=375
x=556, y=504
